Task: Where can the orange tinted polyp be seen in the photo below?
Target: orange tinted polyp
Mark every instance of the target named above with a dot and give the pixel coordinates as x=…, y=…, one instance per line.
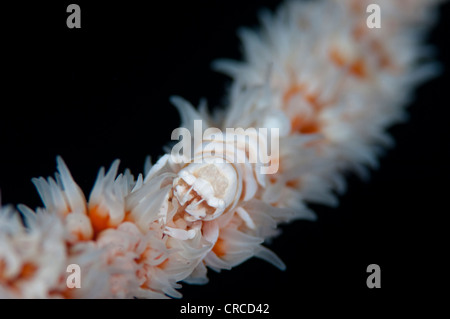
x=219, y=248
x=99, y=218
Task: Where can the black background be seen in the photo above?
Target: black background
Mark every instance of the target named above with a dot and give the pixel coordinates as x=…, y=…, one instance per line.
x=101, y=92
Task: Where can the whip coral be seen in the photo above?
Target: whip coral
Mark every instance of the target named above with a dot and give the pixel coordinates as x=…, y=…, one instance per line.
x=329, y=89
